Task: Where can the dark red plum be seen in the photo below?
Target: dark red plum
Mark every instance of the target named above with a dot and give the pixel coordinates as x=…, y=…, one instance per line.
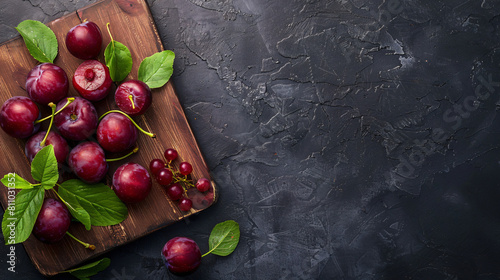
x=88, y=162
x=92, y=80
x=53, y=221
x=116, y=133
x=47, y=83
x=84, y=40
x=78, y=121
x=61, y=148
x=18, y=115
x=133, y=97
x=131, y=183
x=181, y=255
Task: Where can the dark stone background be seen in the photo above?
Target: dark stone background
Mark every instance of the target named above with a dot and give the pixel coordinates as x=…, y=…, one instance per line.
x=350, y=139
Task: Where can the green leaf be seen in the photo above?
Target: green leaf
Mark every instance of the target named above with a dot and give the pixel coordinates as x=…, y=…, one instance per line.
x=12, y=180
x=224, y=238
x=44, y=167
x=91, y=269
x=156, y=70
x=99, y=200
x=79, y=213
x=19, y=217
x=118, y=59
x=39, y=39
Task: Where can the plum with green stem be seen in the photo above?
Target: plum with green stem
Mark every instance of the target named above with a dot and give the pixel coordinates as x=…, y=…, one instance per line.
x=84, y=40
x=43, y=138
x=77, y=121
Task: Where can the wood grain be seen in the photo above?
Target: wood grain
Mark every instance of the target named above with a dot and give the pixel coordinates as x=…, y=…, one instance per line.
x=131, y=24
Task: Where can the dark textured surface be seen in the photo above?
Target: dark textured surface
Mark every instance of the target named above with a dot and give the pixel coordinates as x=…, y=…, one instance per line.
x=350, y=139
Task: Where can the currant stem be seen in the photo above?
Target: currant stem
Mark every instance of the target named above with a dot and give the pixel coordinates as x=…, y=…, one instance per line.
x=53, y=107
x=186, y=183
x=131, y=97
x=123, y=157
x=152, y=135
x=86, y=245
x=69, y=100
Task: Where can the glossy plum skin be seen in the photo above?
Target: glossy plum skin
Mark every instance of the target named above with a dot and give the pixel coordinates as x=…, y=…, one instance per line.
x=92, y=80
x=18, y=115
x=181, y=255
x=116, y=133
x=78, y=121
x=88, y=162
x=84, y=40
x=131, y=183
x=53, y=221
x=61, y=147
x=47, y=83
x=140, y=94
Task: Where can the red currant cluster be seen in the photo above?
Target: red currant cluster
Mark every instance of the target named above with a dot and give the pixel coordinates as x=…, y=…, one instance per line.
x=177, y=181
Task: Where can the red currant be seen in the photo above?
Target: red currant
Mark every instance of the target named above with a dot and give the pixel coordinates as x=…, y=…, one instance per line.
x=203, y=184
x=155, y=165
x=185, y=168
x=164, y=176
x=171, y=154
x=175, y=191
x=185, y=204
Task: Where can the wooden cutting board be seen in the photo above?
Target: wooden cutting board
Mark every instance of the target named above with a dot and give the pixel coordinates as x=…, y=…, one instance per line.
x=131, y=23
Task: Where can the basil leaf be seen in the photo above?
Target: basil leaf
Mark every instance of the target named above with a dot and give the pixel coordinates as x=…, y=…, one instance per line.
x=12, y=180
x=156, y=70
x=44, y=167
x=224, y=238
x=118, y=59
x=99, y=200
x=91, y=269
x=79, y=213
x=39, y=39
x=19, y=218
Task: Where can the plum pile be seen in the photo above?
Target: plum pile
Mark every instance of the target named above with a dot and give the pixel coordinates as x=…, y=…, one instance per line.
x=77, y=122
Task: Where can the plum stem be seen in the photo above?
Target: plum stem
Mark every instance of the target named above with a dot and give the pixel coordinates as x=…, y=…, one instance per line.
x=64, y=201
x=53, y=107
x=69, y=100
x=152, y=135
x=123, y=157
x=110, y=36
x=86, y=245
x=131, y=97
